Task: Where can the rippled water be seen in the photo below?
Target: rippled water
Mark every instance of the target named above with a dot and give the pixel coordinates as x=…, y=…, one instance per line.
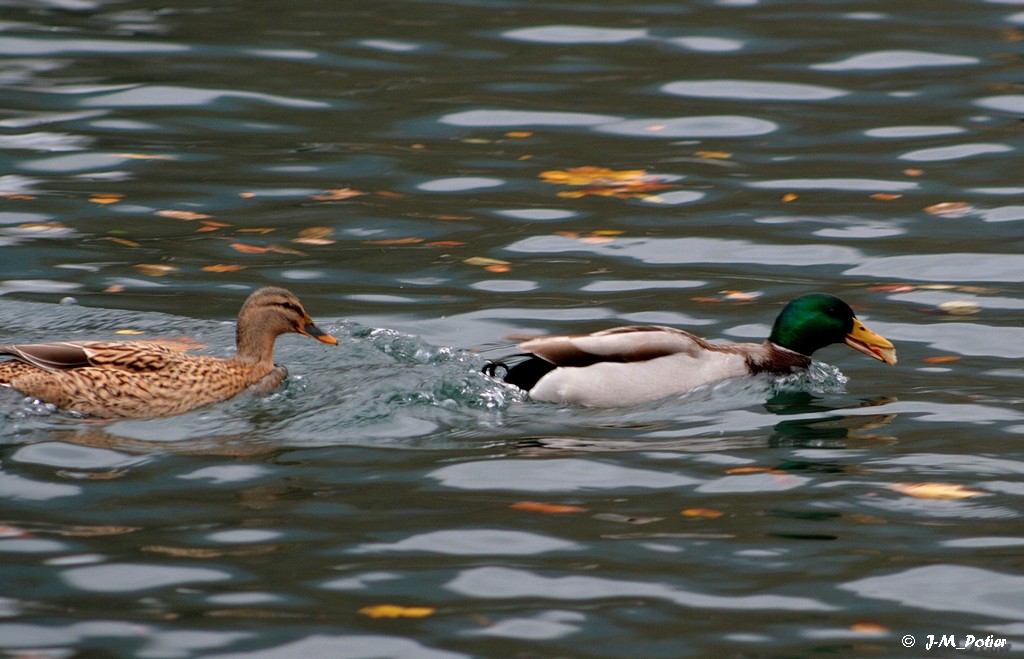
x=397, y=166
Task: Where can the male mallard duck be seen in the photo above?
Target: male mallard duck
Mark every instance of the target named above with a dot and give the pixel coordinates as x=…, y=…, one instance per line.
x=634, y=364
x=134, y=379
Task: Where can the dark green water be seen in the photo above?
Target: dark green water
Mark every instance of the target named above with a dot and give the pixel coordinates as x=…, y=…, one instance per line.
x=161, y=161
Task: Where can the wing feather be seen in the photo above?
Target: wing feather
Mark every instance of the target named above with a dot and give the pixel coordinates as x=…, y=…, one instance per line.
x=620, y=344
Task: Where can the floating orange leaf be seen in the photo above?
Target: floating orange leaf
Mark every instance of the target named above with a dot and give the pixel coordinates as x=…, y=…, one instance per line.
x=245, y=248
x=446, y=243
x=394, y=241
x=484, y=261
x=935, y=490
x=750, y=470
x=605, y=182
x=20, y=197
x=546, y=508
x=182, y=215
x=223, y=267
x=741, y=296
x=892, y=288
x=155, y=269
x=109, y=198
x=395, y=611
x=123, y=241
x=210, y=225
x=941, y=359
x=713, y=155
x=498, y=268
x=706, y=513
x=146, y=156
x=338, y=194
x=949, y=209
x=519, y=134
x=913, y=173
x=315, y=236
x=886, y=196
x=114, y=288
x=868, y=628
x=7, y=531
x=790, y=196
x=262, y=231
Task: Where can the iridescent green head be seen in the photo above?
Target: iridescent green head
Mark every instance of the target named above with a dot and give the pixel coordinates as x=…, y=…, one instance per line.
x=814, y=321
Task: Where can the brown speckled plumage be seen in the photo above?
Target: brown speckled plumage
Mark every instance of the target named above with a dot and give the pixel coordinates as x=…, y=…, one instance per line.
x=129, y=379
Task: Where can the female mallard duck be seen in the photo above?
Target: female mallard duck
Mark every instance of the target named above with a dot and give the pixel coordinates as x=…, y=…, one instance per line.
x=628, y=365
x=132, y=379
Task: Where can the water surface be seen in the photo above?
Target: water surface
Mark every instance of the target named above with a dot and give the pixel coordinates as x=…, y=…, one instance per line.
x=398, y=166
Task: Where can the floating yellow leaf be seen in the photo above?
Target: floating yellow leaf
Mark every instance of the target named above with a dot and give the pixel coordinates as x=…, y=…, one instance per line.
x=182, y=215
x=546, y=508
x=155, y=269
x=484, y=261
x=713, y=155
x=129, y=331
x=935, y=490
x=395, y=611
x=223, y=267
x=705, y=513
x=605, y=182
x=591, y=176
x=338, y=194
x=109, y=198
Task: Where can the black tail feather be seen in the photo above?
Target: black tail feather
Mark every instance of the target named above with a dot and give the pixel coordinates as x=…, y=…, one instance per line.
x=523, y=370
